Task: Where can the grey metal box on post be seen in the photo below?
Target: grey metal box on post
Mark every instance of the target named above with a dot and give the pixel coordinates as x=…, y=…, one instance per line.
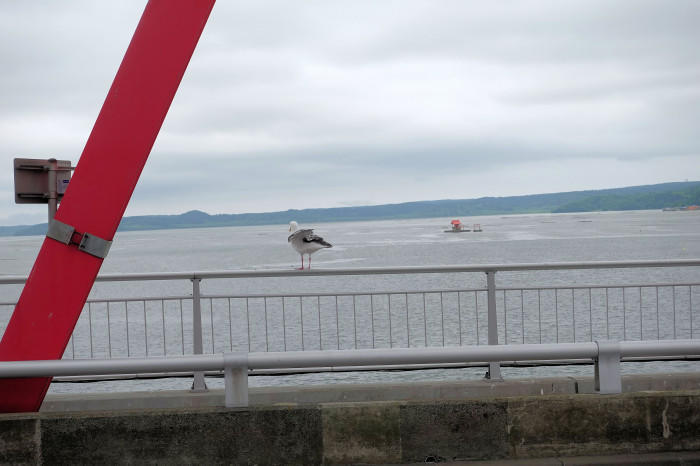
x=41, y=181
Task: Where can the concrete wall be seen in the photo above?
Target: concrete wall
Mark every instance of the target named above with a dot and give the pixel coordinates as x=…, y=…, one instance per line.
x=340, y=393
x=373, y=432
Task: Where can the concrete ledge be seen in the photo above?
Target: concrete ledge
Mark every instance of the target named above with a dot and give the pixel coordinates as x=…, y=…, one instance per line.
x=266, y=396
x=375, y=432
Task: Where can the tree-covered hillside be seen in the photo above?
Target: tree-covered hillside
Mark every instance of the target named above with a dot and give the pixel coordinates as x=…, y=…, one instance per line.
x=637, y=201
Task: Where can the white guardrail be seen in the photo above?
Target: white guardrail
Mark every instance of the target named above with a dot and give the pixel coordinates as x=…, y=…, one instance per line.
x=408, y=323
x=605, y=354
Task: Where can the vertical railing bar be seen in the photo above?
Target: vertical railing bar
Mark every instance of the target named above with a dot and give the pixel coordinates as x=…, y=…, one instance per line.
x=494, y=370
x=658, y=328
x=607, y=313
x=391, y=341
x=109, y=332
x=126, y=312
x=522, y=316
x=247, y=318
x=408, y=330
x=673, y=291
x=72, y=346
x=318, y=306
x=337, y=324
x=162, y=315
x=476, y=314
x=198, y=380
x=690, y=301
x=182, y=329
x=539, y=311
x=459, y=316
x=301, y=318
x=230, y=327
x=211, y=316
x=505, y=319
x=267, y=340
x=92, y=355
x=556, y=311
x=145, y=326
x=590, y=314
x=624, y=315
x=371, y=310
x=425, y=324
x=284, y=326
x=573, y=312
x=641, y=317
x=442, y=319
x=354, y=319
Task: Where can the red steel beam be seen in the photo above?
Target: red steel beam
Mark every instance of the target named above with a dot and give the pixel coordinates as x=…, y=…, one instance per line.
x=100, y=188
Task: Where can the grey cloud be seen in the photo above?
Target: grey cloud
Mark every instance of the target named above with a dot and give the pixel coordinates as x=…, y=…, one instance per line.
x=663, y=82
x=544, y=31
x=293, y=101
x=62, y=56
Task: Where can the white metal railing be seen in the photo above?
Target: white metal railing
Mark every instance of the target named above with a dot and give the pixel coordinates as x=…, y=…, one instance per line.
x=605, y=354
x=404, y=317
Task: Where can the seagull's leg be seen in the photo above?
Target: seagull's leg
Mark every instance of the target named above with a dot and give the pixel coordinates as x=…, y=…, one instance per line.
x=309, y=261
x=302, y=263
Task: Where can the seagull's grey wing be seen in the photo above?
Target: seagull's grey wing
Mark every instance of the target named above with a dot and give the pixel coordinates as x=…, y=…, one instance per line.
x=299, y=235
x=311, y=238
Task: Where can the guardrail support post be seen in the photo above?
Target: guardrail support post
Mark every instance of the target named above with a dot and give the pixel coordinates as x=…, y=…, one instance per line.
x=198, y=383
x=607, y=368
x=494, y=372
x=235, y=382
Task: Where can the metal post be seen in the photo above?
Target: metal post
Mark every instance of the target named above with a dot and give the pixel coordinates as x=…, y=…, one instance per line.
x=52, y=189
x=235, y=380
x=607, y=368
x=198, y=383
x=494, y=372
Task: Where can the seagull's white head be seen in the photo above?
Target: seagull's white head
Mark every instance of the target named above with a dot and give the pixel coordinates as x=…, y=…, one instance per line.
x=293, y=226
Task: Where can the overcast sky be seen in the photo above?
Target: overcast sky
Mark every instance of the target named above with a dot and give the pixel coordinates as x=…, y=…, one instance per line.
x=292, y=105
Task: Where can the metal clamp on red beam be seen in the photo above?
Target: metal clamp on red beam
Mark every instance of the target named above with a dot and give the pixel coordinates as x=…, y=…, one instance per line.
x=86, y=242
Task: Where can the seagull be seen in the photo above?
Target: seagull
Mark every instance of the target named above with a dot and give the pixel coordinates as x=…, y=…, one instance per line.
x=305, y=242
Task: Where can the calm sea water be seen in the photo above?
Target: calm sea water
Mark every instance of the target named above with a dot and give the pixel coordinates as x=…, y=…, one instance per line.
x=641, y=235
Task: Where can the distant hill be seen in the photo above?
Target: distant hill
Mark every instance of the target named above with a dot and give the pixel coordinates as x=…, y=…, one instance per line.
x=635, y=201
x=655, y=196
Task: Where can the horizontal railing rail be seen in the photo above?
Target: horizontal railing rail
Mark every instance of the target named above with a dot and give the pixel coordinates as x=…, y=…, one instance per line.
x=586, y=287
x=605, y=354
x=339, y=293
x=16, y=279
x=383, y=292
